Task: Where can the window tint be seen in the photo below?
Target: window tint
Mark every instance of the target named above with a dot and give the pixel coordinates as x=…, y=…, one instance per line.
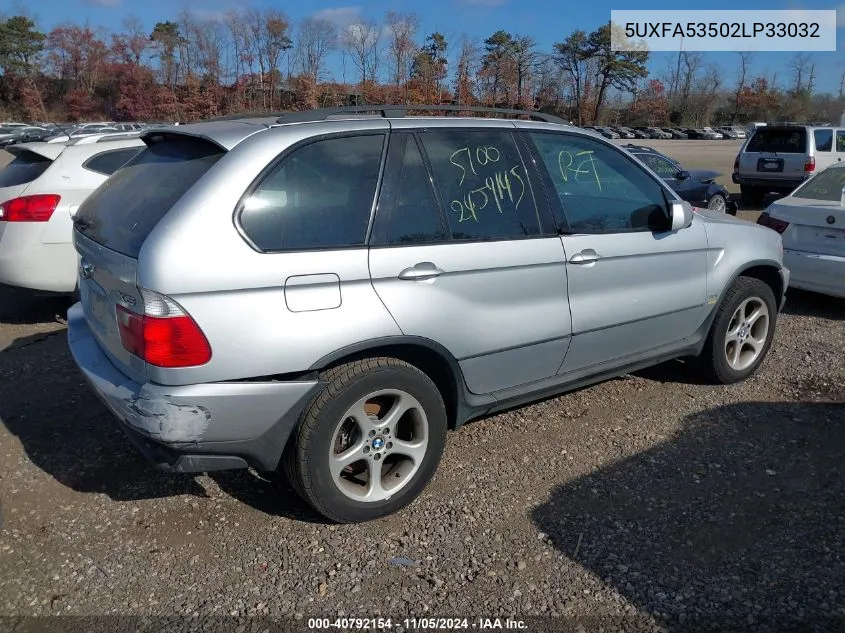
x=483, y=184
x=123, y=211
x=407, y=209
x=840, y=141
x=109, y=162
x=824, y=140
x=784, y=141
x=599, y=188
x=826, y=185
x=661, y=166
x=320, y=196
x=24, y=168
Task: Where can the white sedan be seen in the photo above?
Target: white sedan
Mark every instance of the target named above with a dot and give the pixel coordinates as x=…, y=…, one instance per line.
x=812, y=222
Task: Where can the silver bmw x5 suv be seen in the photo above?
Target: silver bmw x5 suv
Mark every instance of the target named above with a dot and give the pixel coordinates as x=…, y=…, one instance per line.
x=325, y=293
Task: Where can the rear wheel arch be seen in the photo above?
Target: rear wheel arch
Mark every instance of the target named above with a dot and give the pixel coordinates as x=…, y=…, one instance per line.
x=430, y=357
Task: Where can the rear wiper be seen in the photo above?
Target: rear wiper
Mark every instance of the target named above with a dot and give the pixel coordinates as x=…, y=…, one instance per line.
x=82, y=223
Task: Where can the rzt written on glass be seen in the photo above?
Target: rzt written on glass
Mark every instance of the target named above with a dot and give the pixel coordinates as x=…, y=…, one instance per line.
x=501, y=184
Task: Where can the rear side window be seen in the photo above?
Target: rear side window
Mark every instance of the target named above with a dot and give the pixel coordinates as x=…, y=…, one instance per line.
x=123, y=211
x=824, y=140
x=483, y=184
x=319, y=196
x=784, y=141
x=107, y=163
x=24, y=168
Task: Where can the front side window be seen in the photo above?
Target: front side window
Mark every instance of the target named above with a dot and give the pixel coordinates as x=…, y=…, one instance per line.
x=840, y=141
x=483, y=184
x=600, y=190
x=659, y=165
x=319, y=196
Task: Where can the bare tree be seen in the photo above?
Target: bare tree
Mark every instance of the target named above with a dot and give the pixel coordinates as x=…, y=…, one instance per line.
x=403, y=27
x=466, y=69
x=741, y=82
x=803, y=73
x=524, y=58
x=361, y=41
x=314, y=39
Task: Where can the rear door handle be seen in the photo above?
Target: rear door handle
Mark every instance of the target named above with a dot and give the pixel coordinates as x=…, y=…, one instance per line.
x=420, y=272
x=587, y=256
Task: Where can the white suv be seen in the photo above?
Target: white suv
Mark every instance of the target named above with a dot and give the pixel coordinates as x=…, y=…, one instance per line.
x=40, y=191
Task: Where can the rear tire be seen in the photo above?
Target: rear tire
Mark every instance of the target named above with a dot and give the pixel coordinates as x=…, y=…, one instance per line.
x=718, y=203
x=741, y=334
x=369, y=442
x=752, y=196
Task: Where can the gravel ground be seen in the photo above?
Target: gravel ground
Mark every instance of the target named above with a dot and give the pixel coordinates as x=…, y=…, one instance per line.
x=644, y=501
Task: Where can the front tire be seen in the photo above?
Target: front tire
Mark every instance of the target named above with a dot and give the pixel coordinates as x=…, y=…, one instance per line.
x=370, y=441
x=741, y=334
x=718, y=203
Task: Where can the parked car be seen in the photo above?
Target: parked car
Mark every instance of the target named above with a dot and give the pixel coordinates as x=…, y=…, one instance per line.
x=23, y=134
x=624, y=132
x=728, y=133
x=701, y=134
x=656, y=132
x=811, y=220
x=606, y=132
x=249, y=299
x=714, y=134
x=779, y=158
x=40, y=191
x=697, y=186
x=675, y=133
x=736, y=129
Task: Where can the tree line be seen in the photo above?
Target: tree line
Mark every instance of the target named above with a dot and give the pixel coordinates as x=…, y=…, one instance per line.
x=258, y=60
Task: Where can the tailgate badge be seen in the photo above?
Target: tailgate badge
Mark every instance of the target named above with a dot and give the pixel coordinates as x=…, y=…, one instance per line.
x=86, y=269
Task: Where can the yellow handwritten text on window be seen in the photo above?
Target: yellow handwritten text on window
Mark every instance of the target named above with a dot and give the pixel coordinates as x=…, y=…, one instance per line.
x=584, y=170
x=499, y=187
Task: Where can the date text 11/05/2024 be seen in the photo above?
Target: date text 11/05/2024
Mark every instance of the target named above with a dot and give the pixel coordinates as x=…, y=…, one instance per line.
x=722, y=29
x=416, y=624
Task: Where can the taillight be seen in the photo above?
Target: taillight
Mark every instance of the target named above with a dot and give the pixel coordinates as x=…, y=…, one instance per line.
x=37, y=208
x=164, y=335
x=773, y=223
x=810, y=164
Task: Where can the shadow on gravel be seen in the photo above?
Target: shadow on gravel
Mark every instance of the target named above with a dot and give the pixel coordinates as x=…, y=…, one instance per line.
x=740, y=517
x=802, y=303
x=70, y=435
x=66, y=432
x=19, y=306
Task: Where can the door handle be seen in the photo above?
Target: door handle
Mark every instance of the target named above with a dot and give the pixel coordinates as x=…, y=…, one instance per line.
x=587, y=256
x=420, y=272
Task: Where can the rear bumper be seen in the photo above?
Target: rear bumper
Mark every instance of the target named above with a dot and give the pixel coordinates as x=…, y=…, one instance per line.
x=193, y=428
x=769, y=184
x=26, y=262
x=824, y=274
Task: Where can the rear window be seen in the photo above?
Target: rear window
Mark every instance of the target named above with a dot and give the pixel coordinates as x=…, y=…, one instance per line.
x=24, y=168
x=826, y=185
x=783, y=141
x=123, y=211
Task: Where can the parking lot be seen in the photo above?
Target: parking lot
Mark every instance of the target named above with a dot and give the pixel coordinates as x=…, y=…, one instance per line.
x=648, y=499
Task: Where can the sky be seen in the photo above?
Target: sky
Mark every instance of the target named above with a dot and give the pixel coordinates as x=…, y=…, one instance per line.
x=547, y=21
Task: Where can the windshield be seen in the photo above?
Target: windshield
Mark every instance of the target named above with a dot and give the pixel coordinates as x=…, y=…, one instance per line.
x=826, y=185
x=24, y=168
x=125, y=209
x=782, y=141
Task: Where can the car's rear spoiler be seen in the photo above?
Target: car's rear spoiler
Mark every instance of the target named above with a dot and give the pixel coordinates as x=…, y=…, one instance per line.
x=50, y=151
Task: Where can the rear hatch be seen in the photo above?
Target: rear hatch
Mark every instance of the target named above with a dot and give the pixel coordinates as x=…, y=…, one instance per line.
x=775, y=153
x=113, y=223
x=815, y=214
x=29, y=162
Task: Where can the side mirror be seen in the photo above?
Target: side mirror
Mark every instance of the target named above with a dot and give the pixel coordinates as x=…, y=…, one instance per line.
x=682, y=175
x=680, y=215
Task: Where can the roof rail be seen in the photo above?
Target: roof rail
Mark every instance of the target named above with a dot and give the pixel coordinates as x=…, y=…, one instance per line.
x=400, y=111
x=248, y=115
